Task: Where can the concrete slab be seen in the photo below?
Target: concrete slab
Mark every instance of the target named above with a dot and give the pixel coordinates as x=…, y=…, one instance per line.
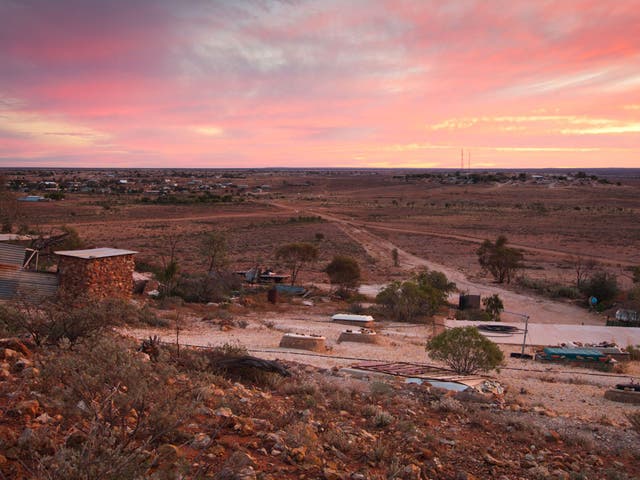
x=553, y=334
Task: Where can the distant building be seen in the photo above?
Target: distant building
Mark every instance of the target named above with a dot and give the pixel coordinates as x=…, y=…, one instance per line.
x=32, y=198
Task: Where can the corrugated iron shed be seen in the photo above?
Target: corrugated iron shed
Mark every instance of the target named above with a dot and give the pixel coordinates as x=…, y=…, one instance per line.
x=92, y=253
x=31, y=285
x=11, y=255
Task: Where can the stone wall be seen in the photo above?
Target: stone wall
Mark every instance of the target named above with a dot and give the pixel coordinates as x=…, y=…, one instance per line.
x=105, y=277
x=302, y=342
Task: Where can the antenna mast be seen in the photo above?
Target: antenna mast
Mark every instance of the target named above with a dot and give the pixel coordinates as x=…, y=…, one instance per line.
x=462, y=158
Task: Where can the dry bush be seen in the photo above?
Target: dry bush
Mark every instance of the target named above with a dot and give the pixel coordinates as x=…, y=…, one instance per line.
x=121, y=405
x=448, y=404
x=339, y=440
x=634, y=420
x=382, y=419
x=68, y=318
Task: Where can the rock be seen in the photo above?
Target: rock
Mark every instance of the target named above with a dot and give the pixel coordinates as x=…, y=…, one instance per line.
x=27, y=439
x=298, y=454
x=21, y=364
x=560, y=474
x=492, y=460
x=246, y=473
x=75, y=441
x=8, y=437
x=201, y=441
x=26, y=407
x=44, y=418
x=15, y=345
x=411, y=472
x=5, y=374
x=9, y=354
x=30, y=372
x=539, y=472
x=168, y=453
x=331, y=474
x=3, y=460
x=553, y=435
x=464, y=476
x=444, y=441
x=357, y=476
x=224, y=412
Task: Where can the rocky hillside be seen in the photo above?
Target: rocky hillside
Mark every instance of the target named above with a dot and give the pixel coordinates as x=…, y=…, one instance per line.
x=99, y=409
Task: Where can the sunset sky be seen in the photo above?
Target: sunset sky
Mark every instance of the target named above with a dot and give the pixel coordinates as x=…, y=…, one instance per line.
x=260, y=83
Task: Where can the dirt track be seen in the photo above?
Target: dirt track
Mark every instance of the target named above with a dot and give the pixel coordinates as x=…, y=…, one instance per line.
x=540, y=310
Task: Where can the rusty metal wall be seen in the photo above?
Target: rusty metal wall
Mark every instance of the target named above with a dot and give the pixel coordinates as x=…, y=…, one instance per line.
x=27, y=285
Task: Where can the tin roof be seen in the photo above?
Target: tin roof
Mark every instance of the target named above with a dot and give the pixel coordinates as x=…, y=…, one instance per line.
x=92, y=253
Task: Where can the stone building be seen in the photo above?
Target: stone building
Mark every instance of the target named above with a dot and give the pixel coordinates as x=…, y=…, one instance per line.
x=97, y=272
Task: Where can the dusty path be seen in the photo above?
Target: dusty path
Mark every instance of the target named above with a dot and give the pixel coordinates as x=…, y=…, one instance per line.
x=539, y=310
x=127, y=221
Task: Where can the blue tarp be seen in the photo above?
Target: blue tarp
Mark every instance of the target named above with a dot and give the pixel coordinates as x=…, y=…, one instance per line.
x=572, y=353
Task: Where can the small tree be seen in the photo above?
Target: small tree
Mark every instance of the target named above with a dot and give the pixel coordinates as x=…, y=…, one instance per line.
x=493, y=306
x=499, y=259
x=403, y=301
x=296, y=255
x=636, y=274
x=422, y=295
x=344, y=271
x=465, y=350
x=601, y=285
x=395, y=257
x=214, y=249
x=582, y=267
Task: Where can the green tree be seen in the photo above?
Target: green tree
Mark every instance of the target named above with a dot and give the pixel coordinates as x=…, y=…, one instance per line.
x=493, y=306
x=344, y=271
x=214, y=249
x=403, y=301
x=499, y=259
x=602, y=285
x=297, y=255
x=465, y=350
x=423, y=295
x=636, y=274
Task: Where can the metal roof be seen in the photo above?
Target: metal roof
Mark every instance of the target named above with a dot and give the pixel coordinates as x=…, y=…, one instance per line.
x=92, y=253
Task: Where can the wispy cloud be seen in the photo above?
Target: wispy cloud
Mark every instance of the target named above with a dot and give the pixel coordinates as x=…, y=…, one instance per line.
x=352, y=82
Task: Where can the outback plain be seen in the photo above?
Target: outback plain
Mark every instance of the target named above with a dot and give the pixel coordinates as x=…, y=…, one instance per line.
x=551, y=421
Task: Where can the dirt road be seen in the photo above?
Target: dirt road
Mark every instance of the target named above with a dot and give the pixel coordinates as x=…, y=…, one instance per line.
x=539, y=310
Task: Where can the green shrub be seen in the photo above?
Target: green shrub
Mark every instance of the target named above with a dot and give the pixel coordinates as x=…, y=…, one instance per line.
x=465, y=350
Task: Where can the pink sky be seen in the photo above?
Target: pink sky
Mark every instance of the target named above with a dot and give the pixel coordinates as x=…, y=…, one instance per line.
x=521, y=83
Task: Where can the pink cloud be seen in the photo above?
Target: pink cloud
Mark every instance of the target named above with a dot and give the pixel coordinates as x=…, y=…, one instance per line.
x=317, y=83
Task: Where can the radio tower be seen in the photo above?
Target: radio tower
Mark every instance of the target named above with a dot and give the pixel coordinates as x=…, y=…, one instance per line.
x=469, y=159
x=462, y=159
